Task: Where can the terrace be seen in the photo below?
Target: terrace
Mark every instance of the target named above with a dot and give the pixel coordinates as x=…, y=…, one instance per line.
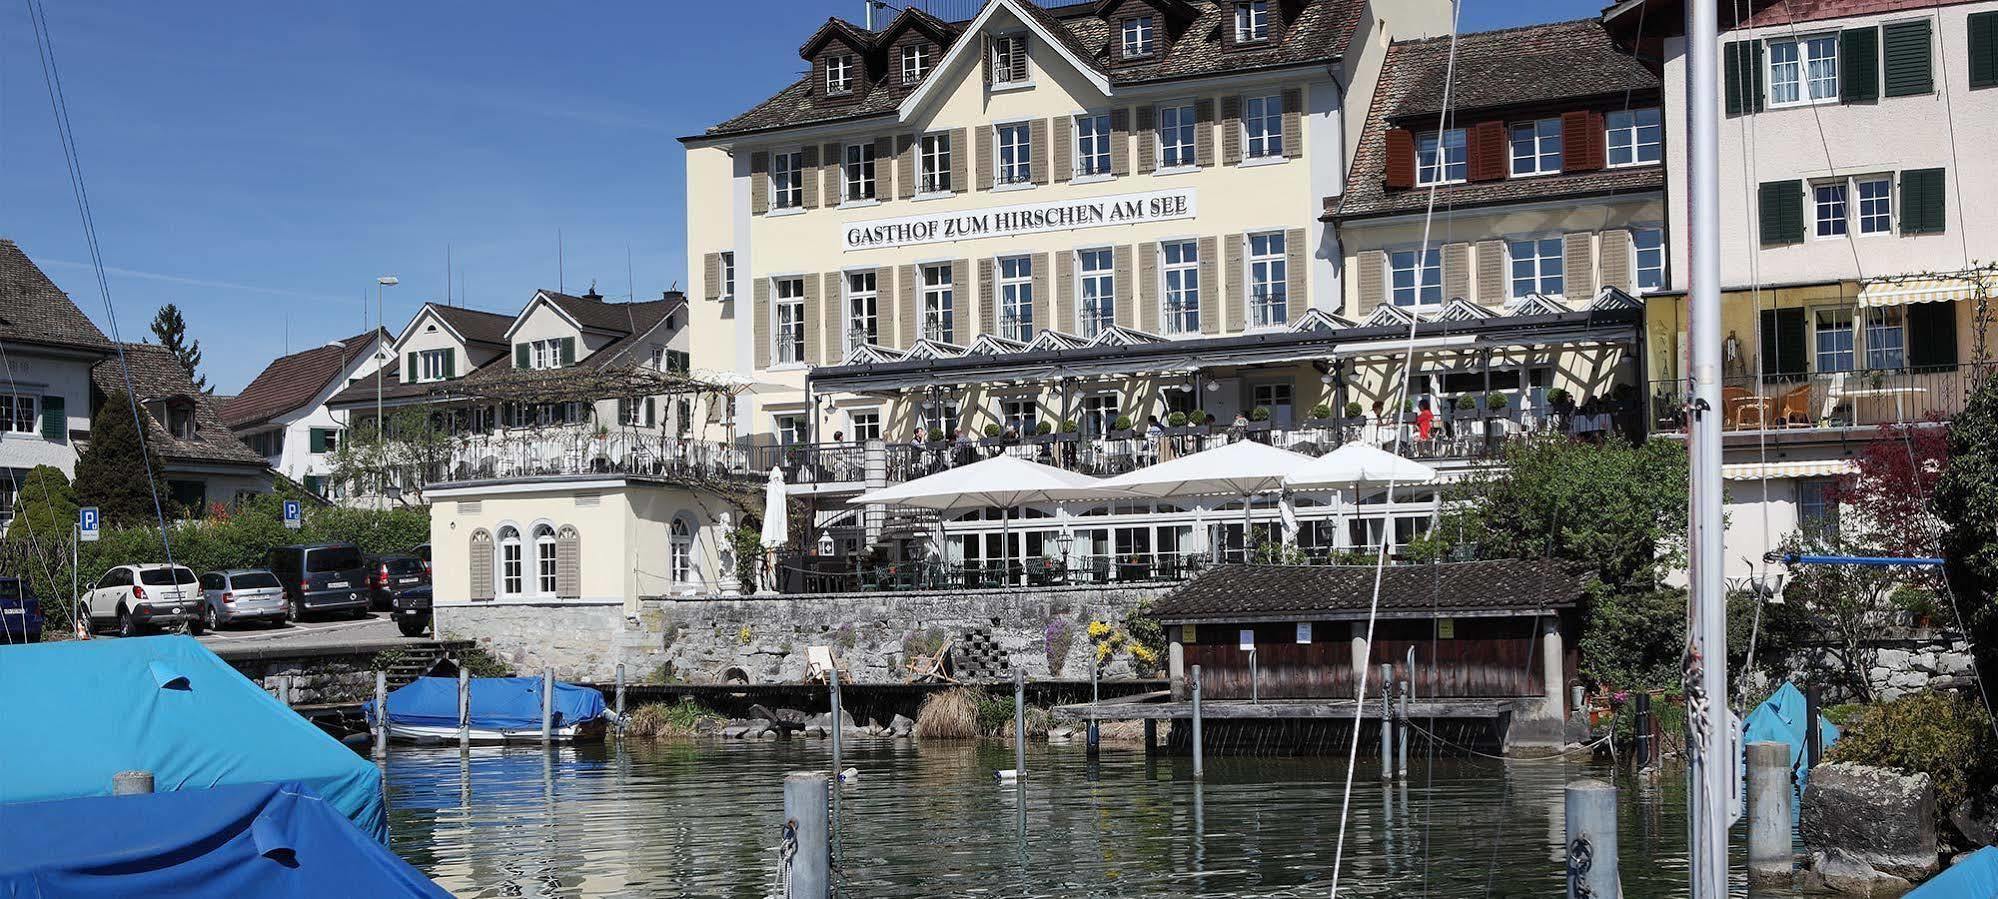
x=1817, y=405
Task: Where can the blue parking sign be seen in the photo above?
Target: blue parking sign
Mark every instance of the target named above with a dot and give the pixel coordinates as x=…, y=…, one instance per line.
x=87, y=521
x=294, y=514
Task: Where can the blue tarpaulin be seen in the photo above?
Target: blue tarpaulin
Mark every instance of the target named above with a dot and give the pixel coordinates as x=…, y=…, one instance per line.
x=1780, y=719
x=1975, y=877
x=77, y=713
x=498, y=703
x=266, y=840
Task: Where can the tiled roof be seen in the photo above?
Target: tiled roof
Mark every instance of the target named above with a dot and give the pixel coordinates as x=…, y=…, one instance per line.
x=623, y=318
x=156, y=375
x=34, y=310
x=476, y=325
x=1537, y=66
x=1318, y=34
x=290, y=382
x=1303, y=592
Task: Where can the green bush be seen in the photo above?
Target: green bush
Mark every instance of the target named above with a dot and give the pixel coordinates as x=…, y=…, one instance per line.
x=1353, y=410
x=1070, y=427
x=992, y=430
x=1044, y=428
x=1322, y=410
x=678, y=719
x=1260, y=413
x=1945, y=736
x=1496, y=402
x=1466, y=402
x=1123, y=423
x=1176, y=420
x=1557, y=397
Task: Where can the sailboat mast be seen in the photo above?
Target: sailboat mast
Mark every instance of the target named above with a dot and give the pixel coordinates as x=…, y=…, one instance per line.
x=1706, y=666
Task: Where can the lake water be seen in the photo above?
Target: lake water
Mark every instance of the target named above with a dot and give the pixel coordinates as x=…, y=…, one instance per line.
x=701, y=819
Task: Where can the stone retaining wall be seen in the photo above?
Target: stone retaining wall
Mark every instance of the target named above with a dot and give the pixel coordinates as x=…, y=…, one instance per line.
x=317, y=678
x=1901, y=664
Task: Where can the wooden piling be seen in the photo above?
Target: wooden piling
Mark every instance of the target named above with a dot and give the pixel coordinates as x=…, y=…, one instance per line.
x=805, y=858
x=1255, y=688
x=1019, y=724
x=620, y=697
x=1199, y=763
x=1151, y=736
x=547, y=706
x=837, y=719
x=1592, y=859
x=131, y=783
x=1813, y=738
x=1641, y=726
x=464, y=709
x=1401, y=725
x=381, y=714
x=1093, y=737
x=1770, y=856
x=1387, y=722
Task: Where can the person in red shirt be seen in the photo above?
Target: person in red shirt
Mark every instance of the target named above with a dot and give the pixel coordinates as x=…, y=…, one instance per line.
x=1425, y=420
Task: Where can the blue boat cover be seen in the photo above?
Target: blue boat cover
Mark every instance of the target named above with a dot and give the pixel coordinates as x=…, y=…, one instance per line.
x=272, y=839
x=498, y=703
x=78, y=712
x=1975, y=877
x=1780, y=719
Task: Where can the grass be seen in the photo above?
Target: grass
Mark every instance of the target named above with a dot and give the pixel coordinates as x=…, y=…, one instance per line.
x=950, y=714
x=661, y=719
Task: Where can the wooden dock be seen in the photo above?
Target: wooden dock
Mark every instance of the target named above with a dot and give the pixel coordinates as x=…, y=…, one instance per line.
x=1157, y=706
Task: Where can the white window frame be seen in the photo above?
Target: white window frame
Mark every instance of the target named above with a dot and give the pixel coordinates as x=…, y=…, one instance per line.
x=857, y=168
x=1867, y=209
x=1647, y=259
x=1138, y=37
x=787, y=179
x=430, y=364
x=915, y=61
x=1627, y=131
x=1179, y=273
x=1005, y=47
x=1012, y=154
x=1810, y=52
x=726, y=289
x=933, y=163
x=839, y=74
x=1537, y=144
x=1267, y=279
x=863, y=309
x=1098, y=412
x=1831, y=209
x=789, y=428
x=1433, y=157
x=864, y=424
x=1016, y=297
x=11, y=419
x=680, y=552
x=1252, y=21
x=1262, y=127
x=1026, y=411
x=1842, y=320
x=1095, y=291
x=939, y=321
x=1279, y=396
x=1519, y=287
x=1875, y=325
x=1178, y=141
x=512, y=562
x=1424, y=289
x=1092, y=144
x=545, y=576
x=790, y=335
x=544, y=354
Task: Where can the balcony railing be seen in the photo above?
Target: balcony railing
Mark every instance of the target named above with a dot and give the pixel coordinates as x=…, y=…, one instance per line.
x=574, y=451
x=1863, y=398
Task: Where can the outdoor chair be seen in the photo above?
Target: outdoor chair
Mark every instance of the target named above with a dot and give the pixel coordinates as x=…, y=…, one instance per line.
x=1793, y=408
x=1744, y=408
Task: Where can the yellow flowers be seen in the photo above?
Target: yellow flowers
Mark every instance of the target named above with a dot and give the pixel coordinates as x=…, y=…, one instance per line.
x=743, y=636
x=1146, y=656
x=1098, y=630
x=1110, y=639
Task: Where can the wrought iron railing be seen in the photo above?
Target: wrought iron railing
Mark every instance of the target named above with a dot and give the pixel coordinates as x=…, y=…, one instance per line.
x=1806, y=400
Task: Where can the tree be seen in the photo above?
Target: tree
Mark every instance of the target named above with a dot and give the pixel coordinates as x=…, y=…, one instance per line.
x=1966, y=501
x=119, y=473
x=408, y=454
x=38, y=542
x=171, y=329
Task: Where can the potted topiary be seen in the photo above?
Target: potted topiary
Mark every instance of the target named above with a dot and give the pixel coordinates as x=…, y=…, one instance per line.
x=1466, y=405
x=1121, y=428
x=1320, y=417
x=1259, y=418
x=1043, y=432
x=1495, y=404
x=992, y=432
x=1354, y=414
x=1559, y=399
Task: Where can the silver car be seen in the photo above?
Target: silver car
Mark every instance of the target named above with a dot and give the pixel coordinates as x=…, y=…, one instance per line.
x=240, y=594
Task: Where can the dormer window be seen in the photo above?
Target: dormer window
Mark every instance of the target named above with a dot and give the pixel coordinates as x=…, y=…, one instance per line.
x=839, y=74
x=1140, y=37
x=1009, y=59
x=915, y=63
x=1252, y=21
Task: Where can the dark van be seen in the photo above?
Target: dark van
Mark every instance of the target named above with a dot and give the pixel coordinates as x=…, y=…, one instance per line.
x=21, y=612
x=321, y=579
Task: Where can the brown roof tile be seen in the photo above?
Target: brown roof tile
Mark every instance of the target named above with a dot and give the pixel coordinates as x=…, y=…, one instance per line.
x=1295, y=592
x=157, y=375
x=34, y=310
x=290, y=382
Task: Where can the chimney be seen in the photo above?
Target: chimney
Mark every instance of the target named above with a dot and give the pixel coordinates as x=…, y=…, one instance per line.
x=592, y=293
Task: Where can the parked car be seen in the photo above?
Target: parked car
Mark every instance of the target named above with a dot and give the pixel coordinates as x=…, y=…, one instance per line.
x=412, y=610
x=422, y=551
x=21, y=612
x=138, y=598
x=388, y=575
x=321, y=578
x=240, y=594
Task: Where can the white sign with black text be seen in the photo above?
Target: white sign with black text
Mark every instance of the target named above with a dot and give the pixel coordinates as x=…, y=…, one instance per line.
x=1026, y=218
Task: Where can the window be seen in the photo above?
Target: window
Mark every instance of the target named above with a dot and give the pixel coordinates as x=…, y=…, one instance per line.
x=1875, y=214
x=839, y=74
x=1140, y=37
x=859, y=172
x=1416, y=277
x=1277, y=399
x=1097, y=287
x=433, y=365
x=940, y=418
x=935, y=164
x=787, y=180
x=1536, y=266
x=545, y=353
x=1635, y=137
x=681, y=551
x=1886, y=338
x=866, y=425
x=544, y=560
x=1269, y=303
x=1829, y=202
x=790, y=310
x=1803, y=70
x=1099, y=414
x=1176, y=129
x=1536, y=147
x=1252, y=21
x=1092, y=144
x=861, y=308
x=7, y=489
x=1817, y=506
x=1009, y=59
x=1016, y=154
x=1834, y=336
x=1439, y=158
x=319, y=440
x=726, y=289
x=1262, y=126
x=683, y=417
x=633, y=412
x=1022, y=416
x=1182, y=286
x=17, y=413
x=1648, y=244
x=1016, y=298
x=790, y=429
x=938, y=300
x=915, y=63
x=510, y=561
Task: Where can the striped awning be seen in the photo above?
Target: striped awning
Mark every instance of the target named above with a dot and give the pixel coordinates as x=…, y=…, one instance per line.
x=1918, y=290
x=1813, y=468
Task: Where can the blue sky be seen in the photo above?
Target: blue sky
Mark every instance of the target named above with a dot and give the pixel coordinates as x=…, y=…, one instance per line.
x=260, y=164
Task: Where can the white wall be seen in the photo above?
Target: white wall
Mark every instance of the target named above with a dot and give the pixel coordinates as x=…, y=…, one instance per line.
x=37, y=373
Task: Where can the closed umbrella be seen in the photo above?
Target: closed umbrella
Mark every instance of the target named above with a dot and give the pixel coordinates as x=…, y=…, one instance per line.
x=776, y=515
x=1240, y=469
x=1001, y=481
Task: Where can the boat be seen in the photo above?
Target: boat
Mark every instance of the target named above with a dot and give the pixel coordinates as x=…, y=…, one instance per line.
x=1975, y=877
x=502, y=710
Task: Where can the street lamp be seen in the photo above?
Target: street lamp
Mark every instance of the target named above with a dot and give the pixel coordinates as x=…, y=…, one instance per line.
x=382, y=283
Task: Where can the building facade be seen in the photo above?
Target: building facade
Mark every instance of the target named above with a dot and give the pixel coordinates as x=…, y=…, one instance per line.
x=205, y=467
x=47, y=347
x=283, y=413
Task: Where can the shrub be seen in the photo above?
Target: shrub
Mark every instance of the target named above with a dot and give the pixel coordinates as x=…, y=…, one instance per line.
x=1260, y=413
x=1558, y=397
x=478, y=661
x=1466, y=402
x=1322, y=410
x=1353, y=410
x=994, y=713
x=1070, y=427
x=1045, y=427
x=661, y=719
x=1496, y=401
x=951, y=714
x=1123, y=423
x=1945, y=736
x=992, y=430
x=1177, y=420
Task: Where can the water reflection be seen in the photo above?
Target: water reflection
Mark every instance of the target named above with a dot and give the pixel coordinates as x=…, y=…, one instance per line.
x=702, y=819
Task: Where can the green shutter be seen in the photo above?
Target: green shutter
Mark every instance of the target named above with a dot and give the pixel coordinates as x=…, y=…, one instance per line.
x=450, y=363
x=1932, y=335
x=316, y=440
x=1908, y=67
x=411, y=379
x=1922, y=203
x=1781, y=204
x=568, y=351
x=649, y=411
x=1859, y=64
x=55, y=419
x=520, y=355
x=1983, y=29
x=1742, y=61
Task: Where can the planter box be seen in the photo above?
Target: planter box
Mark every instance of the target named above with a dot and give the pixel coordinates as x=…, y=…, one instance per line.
x=1122, y=435
x=1319, y=423
x=1260, y=425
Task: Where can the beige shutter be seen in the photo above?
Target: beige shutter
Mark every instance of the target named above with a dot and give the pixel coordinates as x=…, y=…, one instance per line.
x=1372, y=281
x=1064, y=147
x=1231, y=129
x=482, y=565
x=1019, y=65
x=1456, y=271
x=809, y=176
x=1064, y=317
x=960, y=162
x=1037, y=317
x=1210, y=286
x=1297, y=297
x=1037, y=151
x=905, y=167
x=1120, y=142
x=1148, y=287
x=1491, y=272
x=885, y=306
x=832, y=181
x=759, y=326
x=1203, y=131
x=906, y=316
x=832, y=302
x=1578, y=266
x=1148, y=139
x=984, y=157
x=884, y=167
x=985, y=58
x=1615, y=260
x=988, y=305
x=568, y=563
x=1237, y=276
x=1293, y=123
x=960, y=298
x=711, y=276
x=759, y=182
x=814, y=319
x=1122, y=292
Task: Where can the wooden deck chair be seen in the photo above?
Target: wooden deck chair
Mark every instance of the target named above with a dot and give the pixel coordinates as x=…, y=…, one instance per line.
x=820, y=664
x=932, y=668
x=1793, y=408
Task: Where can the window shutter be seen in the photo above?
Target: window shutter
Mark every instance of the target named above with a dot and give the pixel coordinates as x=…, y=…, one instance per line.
x=985, y=58
x=906, y=318
x=960, y=297
x=1575, y=142
x=1491, y=286
x=1210, y=285
x=482, y=565
x=1400, y=158
x=1931, y=335
x=1064, y=317
x=55, y=419
x=1296, y=296
x=1019, y=59
x=960, y=164
x=1742, y=64
x=519, y=357
x=808, y=176
x=1063, y=139
x=1922, y=204
x=814, y=319
x=759, y=182
x=1613, y=258
x=1781, y=205
x=1148, y=139
x=985, y=176
x=711, y=275
x=450, y=362
x=1372, y=280
x=988, y=308
x=759, y=315
x=568, y=564
x=1456, y=271
x=832, y=319
x=1488, y=150
x=315, y=440
x=1124, y=292
x=651, y=410
x=1203, y=131
x=568, y=351
x=1231, y=129
x=1908, y=66
x=884, y=166
x=1859, y=64
x=1037, y=151
x=1238, y=281
x=1120, y=142
x=411, y=377
x=1145, y=297
x=833, y=183
x=1037, y=315
x=905, y=167
x=1578, y=265
x=1293, y=123
x=1983, y=27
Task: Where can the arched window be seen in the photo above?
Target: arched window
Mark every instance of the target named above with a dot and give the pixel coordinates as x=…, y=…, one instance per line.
x=544, y=560
x=682, y=551
x=510, y=561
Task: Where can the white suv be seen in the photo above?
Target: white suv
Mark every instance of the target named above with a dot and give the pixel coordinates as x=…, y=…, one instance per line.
x=139, y=597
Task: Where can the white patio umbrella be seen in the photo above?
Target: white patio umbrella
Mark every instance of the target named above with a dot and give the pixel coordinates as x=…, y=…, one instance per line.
x=776, y=511
x=1357, y=465
x=1240, y=469
x=1002, y=481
